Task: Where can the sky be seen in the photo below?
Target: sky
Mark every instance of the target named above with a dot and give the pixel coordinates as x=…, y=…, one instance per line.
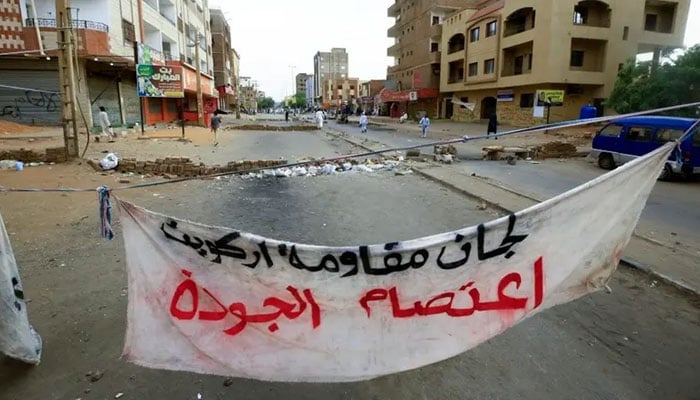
x=271, y=36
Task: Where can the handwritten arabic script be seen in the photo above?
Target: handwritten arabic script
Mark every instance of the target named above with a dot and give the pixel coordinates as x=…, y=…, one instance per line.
x=348, y=263
x=276, y=307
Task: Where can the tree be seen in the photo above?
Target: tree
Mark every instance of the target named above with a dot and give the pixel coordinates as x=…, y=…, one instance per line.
x=674, y=82
x=300, y=100
x=266, y=102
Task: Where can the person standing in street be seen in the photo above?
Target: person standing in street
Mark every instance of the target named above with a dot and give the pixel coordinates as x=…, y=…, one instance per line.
x=424, y=124
x=493, y=124
x=286, y=115
x=107, y=130
x=215, y=124
x=363, y=123
x=319, y=118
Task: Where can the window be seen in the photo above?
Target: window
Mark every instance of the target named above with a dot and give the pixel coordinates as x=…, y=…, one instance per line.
x=434, y=47
x=580, y=15
x=619, y=67
x=611, y=131
x=650, y=22
x=474, y=35
x=529, y=62
x=527, y=100
x=352, y=87
x=490, y=66
x=436, y=20
x=491, y=29
x=576, y=58
x=473, y=69
x=638, y=134
x=625, y=32
x=128, y=31
x=664, y=135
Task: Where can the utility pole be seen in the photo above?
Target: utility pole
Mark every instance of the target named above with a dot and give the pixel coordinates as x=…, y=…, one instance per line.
x=66, y=73
x=200, y=101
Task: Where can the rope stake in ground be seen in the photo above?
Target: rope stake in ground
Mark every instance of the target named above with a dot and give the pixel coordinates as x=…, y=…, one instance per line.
x=105, y=206
x=463, y=139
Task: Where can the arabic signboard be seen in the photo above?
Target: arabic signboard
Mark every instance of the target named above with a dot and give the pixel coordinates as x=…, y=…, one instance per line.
x=148, y=55
x=159, y=81
x=554, y=97
x=505, y=95
x=221, y=301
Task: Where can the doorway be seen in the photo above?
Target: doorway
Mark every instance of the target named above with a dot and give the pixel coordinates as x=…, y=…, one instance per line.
x=488, y=107
x=449, y=108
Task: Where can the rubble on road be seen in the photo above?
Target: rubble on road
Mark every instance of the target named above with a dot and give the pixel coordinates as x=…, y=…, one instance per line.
x=556, y=149
x=280, y=128
x=327, y=168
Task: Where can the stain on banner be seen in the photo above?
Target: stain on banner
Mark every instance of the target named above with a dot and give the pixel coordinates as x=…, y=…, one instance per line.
x=18, y=339
x=219, y=301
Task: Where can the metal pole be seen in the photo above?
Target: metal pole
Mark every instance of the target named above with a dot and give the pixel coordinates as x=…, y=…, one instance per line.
x=136, y=67
x=36, y=27
x=200, y=101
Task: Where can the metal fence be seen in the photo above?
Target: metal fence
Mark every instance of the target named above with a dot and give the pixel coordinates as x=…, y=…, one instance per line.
x=77, y=24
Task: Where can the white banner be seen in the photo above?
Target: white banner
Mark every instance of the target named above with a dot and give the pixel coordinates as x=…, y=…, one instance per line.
x=220, y=301
x=17, y=338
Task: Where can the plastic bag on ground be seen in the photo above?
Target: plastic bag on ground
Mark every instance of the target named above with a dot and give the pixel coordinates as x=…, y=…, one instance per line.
x=110, y=161
x=18, y=339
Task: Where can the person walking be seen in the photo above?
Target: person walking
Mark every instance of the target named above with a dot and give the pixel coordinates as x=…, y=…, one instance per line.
x=215, y=124
x=286, y=115
x=319, y=118
x=424, y=124
x=493, y=124
x=363, y=123
x=107, y=130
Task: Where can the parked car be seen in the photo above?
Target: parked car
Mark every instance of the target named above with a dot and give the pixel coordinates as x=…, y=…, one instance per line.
x=628, y=138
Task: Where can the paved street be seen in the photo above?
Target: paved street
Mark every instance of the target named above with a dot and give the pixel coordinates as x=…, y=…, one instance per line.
x=639, y=342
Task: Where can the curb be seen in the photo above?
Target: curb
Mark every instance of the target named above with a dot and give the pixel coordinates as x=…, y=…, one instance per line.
x=627, y=262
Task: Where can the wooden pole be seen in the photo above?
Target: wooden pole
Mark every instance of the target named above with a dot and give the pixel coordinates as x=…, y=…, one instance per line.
x=66, y=72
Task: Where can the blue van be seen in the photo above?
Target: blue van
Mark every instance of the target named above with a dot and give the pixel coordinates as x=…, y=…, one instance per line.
x=625, y=139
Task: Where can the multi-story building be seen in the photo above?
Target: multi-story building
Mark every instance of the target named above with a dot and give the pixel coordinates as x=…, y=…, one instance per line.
x=301, y=82
x=249, y=95
x=495, y=57
x=310, y=94
x=336, y=93
x=224, y=64
x=369, y=95
x=414, y=79
x=329, y=65
x=107, y=32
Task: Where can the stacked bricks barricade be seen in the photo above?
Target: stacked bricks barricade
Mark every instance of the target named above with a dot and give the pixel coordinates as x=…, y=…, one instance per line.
x=235, y=168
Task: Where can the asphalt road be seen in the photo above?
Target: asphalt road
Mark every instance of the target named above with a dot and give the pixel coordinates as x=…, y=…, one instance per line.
x=672, y=214
x=639, y=342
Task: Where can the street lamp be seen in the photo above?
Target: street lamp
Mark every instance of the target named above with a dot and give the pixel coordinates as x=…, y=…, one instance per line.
x=294, y=82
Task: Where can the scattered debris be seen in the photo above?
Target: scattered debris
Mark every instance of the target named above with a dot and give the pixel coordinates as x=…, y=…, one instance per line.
x=445, y=149
x=445, y=158
x=228, y=382
x=403, y=172
x=93, y=376
x=119, y=395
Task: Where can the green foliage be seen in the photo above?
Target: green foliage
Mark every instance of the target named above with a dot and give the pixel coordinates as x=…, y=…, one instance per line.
x=299, y=100
x=673, y=83
x=266, y=102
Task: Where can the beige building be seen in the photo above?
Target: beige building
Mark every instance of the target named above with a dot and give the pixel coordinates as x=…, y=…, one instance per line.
x=333, y=64
x=336, y=93
x=417, y=33
x=300, y=81
x=496, y=56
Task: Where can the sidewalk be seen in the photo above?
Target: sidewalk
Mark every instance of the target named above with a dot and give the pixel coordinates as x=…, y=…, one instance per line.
x=677, y=267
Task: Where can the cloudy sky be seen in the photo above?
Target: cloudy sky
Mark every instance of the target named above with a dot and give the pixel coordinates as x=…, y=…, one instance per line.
x=272, y=35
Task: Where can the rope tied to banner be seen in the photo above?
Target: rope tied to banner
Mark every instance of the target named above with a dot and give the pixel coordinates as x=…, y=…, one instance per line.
x=105, y=207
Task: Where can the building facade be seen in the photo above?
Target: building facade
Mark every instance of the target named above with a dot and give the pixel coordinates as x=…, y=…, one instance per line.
x=327, y=66
x=414, y=79
x=300, y=82
x=369, y=96
x=106, y=33
x=223, y=58
x=336, y=93
x=310, y=94
x=496, y=57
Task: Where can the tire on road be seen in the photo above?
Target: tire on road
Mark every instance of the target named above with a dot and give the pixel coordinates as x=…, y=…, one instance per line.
x=605, y=161
x=666, y=174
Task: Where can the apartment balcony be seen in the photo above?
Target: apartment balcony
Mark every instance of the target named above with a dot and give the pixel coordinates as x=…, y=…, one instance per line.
x=393, y=69
x=435, y=57
x=393, y=50
x=393, y=31
x=394, y=9
x=591, y=32
x=92, y=37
